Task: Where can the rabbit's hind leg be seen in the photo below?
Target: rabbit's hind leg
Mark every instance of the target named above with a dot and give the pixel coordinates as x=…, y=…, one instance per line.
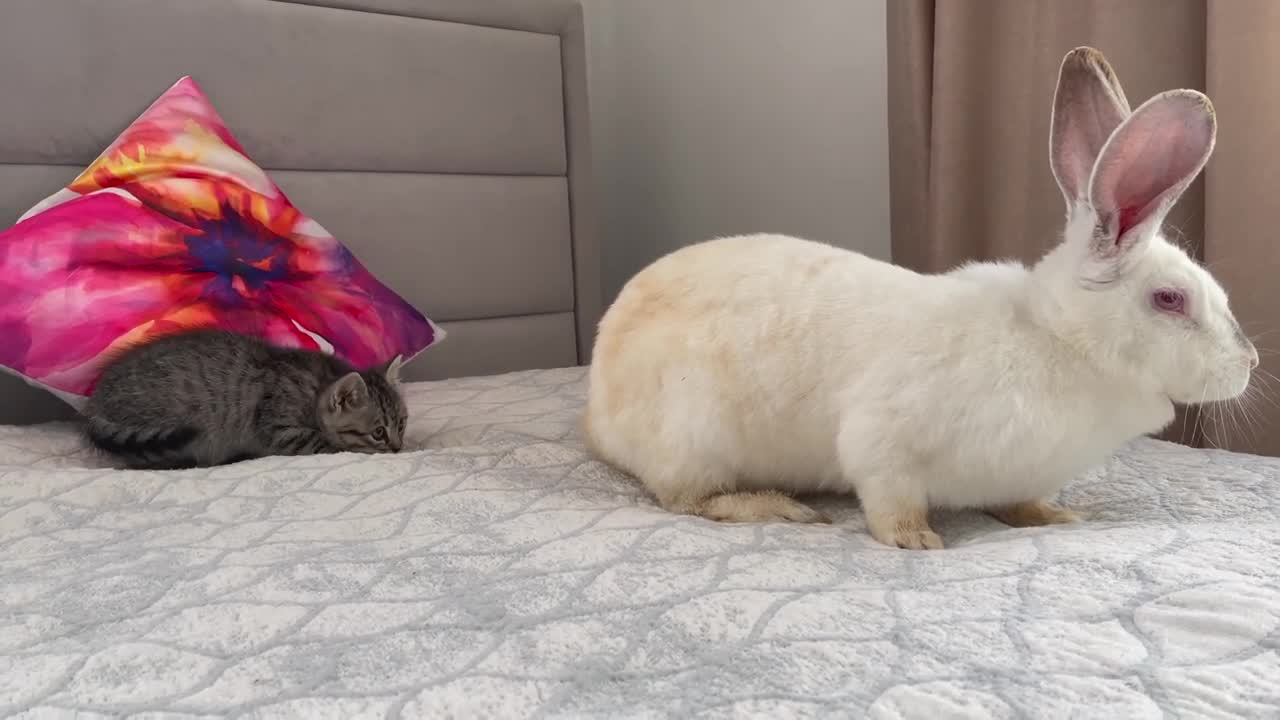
x=765, y=506
x=709, y=495
x=1033, y=514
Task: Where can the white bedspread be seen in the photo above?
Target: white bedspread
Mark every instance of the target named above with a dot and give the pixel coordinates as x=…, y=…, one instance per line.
x=495, y=571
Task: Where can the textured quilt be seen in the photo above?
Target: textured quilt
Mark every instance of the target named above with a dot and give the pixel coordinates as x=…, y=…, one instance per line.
x=496, y=572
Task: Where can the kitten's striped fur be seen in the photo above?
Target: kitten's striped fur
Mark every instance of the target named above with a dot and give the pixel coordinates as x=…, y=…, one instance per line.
x=209, y=397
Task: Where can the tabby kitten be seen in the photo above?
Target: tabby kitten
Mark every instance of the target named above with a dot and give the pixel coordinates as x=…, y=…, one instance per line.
x=208, y=397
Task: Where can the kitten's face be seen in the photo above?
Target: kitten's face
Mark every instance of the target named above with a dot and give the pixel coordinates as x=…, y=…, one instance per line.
x=364, y=412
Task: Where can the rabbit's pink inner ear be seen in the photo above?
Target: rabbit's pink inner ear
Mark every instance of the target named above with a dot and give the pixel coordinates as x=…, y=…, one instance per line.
x=1087, y=106
x=1149, y=162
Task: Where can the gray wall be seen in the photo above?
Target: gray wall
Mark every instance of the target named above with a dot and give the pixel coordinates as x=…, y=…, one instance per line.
x=718, y=117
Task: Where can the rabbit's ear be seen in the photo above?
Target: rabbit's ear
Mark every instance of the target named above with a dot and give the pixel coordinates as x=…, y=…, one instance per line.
x=1087, y=107
x=1146, y=166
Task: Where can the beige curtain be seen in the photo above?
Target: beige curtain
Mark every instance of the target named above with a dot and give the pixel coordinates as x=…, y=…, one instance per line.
x=970, y=89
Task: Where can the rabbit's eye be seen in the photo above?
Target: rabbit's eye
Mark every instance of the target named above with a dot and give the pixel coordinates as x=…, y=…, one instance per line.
x=1169, y=300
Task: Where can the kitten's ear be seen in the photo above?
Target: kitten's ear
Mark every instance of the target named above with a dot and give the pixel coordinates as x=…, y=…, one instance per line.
x=392, y=369
x=348, y=392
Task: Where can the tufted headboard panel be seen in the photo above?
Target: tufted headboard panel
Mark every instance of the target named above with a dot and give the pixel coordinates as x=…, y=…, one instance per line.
x=444, y=141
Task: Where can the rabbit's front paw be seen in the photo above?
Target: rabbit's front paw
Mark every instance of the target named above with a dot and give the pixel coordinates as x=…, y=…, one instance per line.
x=918, y=540
x=904, y=529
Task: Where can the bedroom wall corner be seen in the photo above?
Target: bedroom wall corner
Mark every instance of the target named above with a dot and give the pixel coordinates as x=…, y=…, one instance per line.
x=730, y=116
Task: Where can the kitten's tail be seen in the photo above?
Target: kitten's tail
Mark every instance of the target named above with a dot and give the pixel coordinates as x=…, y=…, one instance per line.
x=157, y=448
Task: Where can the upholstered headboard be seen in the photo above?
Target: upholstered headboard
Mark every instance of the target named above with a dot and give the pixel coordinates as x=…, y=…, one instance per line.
x=444, y=141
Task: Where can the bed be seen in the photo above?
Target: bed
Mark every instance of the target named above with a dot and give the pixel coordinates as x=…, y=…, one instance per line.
x=493, y=569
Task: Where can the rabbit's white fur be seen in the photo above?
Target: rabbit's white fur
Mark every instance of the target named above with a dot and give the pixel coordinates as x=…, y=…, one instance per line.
x=738, y=367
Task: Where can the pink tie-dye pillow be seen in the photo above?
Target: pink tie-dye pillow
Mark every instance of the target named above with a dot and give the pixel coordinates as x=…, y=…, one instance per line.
x=174, y=227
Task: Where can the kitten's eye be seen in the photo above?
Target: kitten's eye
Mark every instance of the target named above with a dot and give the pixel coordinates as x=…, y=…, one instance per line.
x=1168, y=300
x=380, y=434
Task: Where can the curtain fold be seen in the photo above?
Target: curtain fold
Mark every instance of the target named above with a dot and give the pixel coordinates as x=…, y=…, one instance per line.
x=1241, y=184
x=970, y=90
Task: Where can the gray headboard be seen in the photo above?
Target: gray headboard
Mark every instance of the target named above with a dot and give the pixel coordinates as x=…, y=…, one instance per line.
x=444, y=141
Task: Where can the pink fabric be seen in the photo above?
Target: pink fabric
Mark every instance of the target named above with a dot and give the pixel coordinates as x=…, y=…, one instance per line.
x=174, y=227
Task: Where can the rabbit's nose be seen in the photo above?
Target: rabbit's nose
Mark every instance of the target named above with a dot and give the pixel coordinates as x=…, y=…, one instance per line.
x=1254, y=360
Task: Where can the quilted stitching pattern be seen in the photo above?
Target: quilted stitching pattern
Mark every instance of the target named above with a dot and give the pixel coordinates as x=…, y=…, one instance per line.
x=498, y=572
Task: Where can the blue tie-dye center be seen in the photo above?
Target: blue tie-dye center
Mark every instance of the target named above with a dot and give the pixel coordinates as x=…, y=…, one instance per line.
x=235, y=247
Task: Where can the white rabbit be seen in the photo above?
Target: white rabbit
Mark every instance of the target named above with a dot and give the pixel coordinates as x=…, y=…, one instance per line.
x=733, y=373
